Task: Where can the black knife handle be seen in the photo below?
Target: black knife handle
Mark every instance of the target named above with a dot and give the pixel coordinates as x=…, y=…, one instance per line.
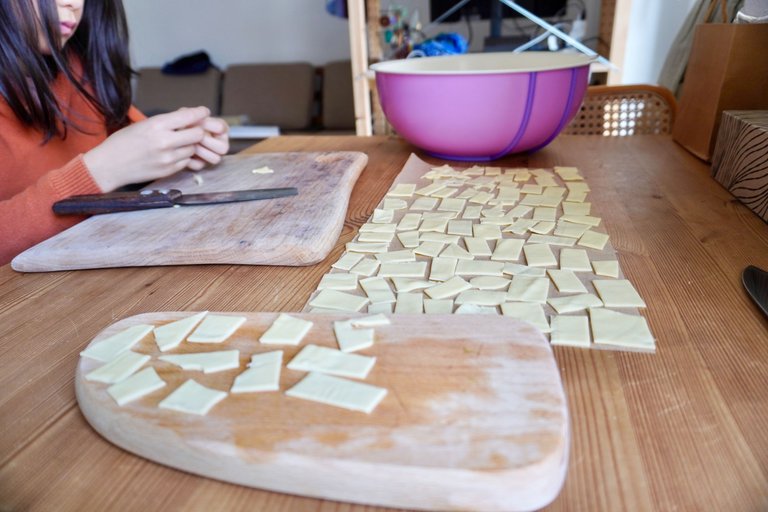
x=116, y=202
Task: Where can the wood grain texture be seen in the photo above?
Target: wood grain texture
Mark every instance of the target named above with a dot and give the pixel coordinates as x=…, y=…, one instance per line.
x=682, y=429
x=470, y=420
x=297, y=230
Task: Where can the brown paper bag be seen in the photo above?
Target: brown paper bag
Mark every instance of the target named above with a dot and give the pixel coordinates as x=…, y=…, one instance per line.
x=727, y=70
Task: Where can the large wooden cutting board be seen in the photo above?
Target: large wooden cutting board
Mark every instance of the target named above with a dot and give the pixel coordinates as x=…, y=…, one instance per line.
x=298, y=230
x=475, y=418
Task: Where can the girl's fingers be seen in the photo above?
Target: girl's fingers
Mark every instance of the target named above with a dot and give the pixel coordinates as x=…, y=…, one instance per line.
x=195, y=164
x=217, y=144
x=185, y=137
x=181, y=118
x=207, y=155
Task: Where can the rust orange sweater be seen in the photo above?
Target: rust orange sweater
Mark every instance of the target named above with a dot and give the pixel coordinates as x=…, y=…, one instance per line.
x=33, y=176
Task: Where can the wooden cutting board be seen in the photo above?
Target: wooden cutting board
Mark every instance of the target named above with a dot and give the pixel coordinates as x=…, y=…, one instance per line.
x=298, y=230
x=473, y=419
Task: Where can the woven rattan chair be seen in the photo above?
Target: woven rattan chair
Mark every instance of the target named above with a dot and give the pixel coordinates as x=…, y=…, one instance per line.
x=621, y=110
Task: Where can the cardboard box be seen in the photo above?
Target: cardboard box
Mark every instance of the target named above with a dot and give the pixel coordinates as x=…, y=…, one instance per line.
x=727, y=70
x=740, y=160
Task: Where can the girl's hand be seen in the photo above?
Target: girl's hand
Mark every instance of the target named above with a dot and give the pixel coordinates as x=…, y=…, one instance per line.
x=214, y=146
x=157, y=147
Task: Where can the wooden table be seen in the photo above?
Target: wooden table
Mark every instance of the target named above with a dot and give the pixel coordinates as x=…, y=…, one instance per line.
x=684, y=429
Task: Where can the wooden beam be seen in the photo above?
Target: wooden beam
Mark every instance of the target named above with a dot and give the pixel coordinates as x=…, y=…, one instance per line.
x=359, y=56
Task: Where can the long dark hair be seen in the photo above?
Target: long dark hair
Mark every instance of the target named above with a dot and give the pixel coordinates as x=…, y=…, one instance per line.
x=100, y=43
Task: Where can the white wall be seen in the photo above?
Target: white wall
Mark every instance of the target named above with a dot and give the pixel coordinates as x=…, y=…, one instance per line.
x=653, y=26
x=235, y=31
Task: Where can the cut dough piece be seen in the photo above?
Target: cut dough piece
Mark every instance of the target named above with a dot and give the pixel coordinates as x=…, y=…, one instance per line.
x=110, y=348
x=366, y=267
x=519, y=211
x=620, y=330
x=551, y=240
x=542, y=227
x=433, y=225
x=314, y=358
x=570, y=330
x=447, y=192
x=508, y=249
x=454, y=251
x=192, y=398
x=545, y=213
x=409, y=303
x=481, y=297
x=438, y=306
x=573, y=303
x=576, y=197
x=409, y=222
x=328, y=390
x=594, y=240
x=481, y=198
x=394, y=204
x=380, y=307
x=460, y=227
x=477, y=246
x=574, y=259
x=263, y=374
x=527, y=311
x=449, y=288
x=409, y=239
x=403, y=269
x=618, y=293
x=566, y=281
x=375, y=237
x=532, y=189
x=430, y=249
x=532, y=200
x=402, y=190
x=479, y=268
x=136, y=386
x=338, y=301
x=369, y=227
x=570, y=230
x=263, y=170
x=539, y=255
x=576, y=208
x=286, y=330
x=581, y=219
x=489, y=282
x=338, y=281
x=409, y=284
x=439, y=237
x=521, y=226
x=425, y=203
x=529, y=289
x=431, y=189
x=609, y=268
x=350, y=338
x=487, y=231
x=378, y=290
x=473, y=309
x=207, y=362
x=397, y=256
x=171, y=335
x=515, y=269
x=442, y=269
x=382, y=216
x=348, y=260
x=494, y=213
x=367, y=247
x=452, y=205
x=216, y=328
x=472, y=212
x=369, y=321
x=120, y=368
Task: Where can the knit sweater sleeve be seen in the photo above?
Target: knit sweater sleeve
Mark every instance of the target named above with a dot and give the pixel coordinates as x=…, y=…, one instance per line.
x=27, y=216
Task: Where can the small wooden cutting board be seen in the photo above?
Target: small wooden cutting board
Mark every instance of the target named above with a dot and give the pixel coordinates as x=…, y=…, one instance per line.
x=474, y=418
x=298, y=230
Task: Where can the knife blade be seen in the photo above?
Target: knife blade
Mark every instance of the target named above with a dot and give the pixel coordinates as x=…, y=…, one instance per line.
x=755, y=281
x=94, y=204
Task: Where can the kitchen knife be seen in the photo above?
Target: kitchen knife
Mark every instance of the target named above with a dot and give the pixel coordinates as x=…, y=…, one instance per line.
x=755, y=282
x=93, y=204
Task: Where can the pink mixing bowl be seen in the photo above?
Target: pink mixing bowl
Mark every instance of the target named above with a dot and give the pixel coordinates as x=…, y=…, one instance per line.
x=482, y=106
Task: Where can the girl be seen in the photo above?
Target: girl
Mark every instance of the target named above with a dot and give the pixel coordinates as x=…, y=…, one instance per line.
x=66, y=122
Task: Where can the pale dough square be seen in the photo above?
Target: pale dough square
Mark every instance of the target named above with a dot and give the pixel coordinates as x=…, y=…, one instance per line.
x=618, y=293
x=529, y=289
x=192, y=398
x=530, y=312
x=329, y=390
x=570, y=330
x=286, y=330
x=216, y=328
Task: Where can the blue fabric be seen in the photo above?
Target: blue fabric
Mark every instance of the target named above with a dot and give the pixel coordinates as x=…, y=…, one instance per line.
x=443, y=44
x=336, y=7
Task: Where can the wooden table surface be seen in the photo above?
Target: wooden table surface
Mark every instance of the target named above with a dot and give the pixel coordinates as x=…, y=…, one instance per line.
x=683, y=429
